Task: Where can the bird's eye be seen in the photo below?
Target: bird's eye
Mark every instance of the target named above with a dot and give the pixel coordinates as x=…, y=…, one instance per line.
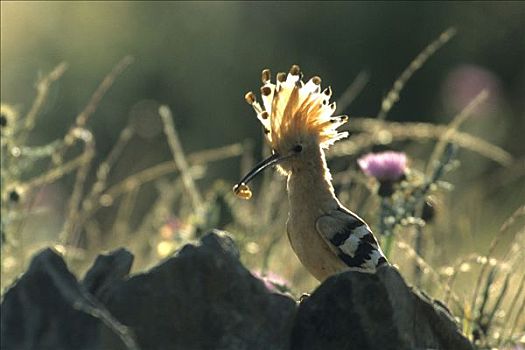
x=298, y=148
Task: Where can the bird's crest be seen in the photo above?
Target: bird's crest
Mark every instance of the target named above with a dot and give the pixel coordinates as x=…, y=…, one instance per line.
x=291, y=107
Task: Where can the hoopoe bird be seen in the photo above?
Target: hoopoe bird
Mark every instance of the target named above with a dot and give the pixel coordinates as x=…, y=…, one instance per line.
x=298, y=125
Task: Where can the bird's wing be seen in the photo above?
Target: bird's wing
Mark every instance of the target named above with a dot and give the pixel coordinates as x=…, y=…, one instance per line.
x=351, y=240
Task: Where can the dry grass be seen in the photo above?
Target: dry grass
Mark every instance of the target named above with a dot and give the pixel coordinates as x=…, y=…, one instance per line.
x=491, y=314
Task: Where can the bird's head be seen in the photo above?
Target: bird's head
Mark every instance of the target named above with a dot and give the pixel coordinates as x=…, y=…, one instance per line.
x=297, y=121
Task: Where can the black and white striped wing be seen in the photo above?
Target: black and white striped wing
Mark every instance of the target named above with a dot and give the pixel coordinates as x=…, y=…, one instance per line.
x=351, y=239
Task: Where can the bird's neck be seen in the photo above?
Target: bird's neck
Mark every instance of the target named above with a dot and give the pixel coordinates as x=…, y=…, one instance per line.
x=310, y=185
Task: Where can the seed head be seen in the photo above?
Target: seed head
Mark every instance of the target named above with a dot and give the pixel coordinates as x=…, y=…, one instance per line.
x=8, y=116
x=14, y=196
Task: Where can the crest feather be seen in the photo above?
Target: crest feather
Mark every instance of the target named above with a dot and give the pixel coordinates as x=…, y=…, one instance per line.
x=290, y=106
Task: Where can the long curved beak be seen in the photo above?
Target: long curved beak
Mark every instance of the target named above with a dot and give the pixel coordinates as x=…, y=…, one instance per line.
x=271, y=160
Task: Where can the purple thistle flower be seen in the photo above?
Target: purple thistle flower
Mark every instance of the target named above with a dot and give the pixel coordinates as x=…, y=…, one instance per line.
x=384, y=166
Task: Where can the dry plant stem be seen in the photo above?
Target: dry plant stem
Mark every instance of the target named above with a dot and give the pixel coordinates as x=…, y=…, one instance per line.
x=393, y=95
x=502, y=231
x=499, y=300
x=141, y=178
x=92, y=105
x=210, y=155
x=517, y=318
x=55, y=173
x=69, y=234
x=350, y=94
x=29, y=122
x=180, y=159
x=452, y=127
x=389, y=132
x=52, y=175
x=93, y=235
x=42, y=88
x=446, y=153
x=486, y=295
x=102, y=89
x=418, y=247
x=103, y=171
x=504, y=228
x=69, y=138
x=38, y=152
x=468, y=318
x=435, y=275
x=505, y=176
x=151, y=222
x=121, y=224
x=156, y=172
x=455, y=267
x=384, y=229
x=511, y=308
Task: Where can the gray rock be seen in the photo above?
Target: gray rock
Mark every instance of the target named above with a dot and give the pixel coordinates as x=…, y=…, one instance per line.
x=204, y=298
x=107, y=270
x=353, y=310
x=47, y=309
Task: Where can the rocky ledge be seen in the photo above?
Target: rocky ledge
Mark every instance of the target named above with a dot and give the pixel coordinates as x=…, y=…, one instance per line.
x=204, y=298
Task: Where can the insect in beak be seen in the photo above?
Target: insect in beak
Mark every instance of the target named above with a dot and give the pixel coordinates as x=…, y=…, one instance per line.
x=241, y=189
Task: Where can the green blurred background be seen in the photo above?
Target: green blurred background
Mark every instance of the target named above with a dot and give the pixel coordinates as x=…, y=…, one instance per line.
x=201, y=57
